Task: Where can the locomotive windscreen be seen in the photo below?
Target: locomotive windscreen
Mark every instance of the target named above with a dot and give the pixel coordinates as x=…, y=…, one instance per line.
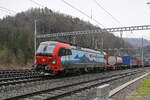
x=45, y=50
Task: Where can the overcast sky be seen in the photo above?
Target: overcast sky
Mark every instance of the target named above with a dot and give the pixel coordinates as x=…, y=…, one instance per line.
x=128, y=12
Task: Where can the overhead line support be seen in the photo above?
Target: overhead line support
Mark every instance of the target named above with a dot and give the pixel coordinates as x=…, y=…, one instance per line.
x=118, y=29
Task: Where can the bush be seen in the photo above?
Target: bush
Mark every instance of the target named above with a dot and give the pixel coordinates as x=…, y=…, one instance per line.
x=5, y=56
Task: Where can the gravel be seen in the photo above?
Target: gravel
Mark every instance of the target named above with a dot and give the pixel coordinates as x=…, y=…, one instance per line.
x=89, y=94
x=121, y=95
x=124, y=93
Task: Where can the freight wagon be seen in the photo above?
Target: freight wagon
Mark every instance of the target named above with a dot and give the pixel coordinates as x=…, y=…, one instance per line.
x=131, y=61
x=113, y=61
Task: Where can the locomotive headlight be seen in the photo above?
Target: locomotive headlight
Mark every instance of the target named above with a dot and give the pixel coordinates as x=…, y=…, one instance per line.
x=54, y=61
x=47, y=67
x=33, y=66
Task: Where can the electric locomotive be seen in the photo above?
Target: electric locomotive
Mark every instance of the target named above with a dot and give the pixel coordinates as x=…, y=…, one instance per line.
x=55, y=57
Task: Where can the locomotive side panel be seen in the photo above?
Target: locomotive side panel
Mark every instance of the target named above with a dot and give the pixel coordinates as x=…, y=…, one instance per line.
x=83, y=59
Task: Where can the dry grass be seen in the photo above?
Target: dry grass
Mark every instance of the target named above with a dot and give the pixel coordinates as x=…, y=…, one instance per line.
x=15, y=67
x=143, y=92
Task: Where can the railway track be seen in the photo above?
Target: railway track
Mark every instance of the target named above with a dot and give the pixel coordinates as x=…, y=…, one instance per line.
x=16, y=73
x=59, y=88
x=22, y=79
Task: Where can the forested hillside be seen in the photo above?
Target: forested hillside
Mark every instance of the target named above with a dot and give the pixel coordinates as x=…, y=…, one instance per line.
x=16, y=33
x=137, y=42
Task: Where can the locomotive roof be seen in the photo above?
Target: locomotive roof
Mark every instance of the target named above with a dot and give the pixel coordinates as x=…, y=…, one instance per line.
x=87, y=49
x=49, y=42
x=73, y=47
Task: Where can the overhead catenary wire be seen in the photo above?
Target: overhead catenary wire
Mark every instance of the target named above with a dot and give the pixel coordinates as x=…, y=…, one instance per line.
x=115, y=19
x=8, y=10
x=82, y=12
x=33, y=1
x=5, y=11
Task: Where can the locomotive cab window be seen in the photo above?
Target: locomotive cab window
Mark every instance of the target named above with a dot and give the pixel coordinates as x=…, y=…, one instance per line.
x=45, y=50
x=68, y=52
x=64, y=52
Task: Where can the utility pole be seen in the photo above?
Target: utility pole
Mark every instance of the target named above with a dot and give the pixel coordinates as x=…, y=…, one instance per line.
x=142, y=54
x=102, y=43
x=35, y=33
x=74, y=40
x=121, y=32
x=93, y=41
x=96, y=44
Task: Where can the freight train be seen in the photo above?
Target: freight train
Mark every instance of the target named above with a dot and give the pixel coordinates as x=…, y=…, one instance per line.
x=56, y=57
